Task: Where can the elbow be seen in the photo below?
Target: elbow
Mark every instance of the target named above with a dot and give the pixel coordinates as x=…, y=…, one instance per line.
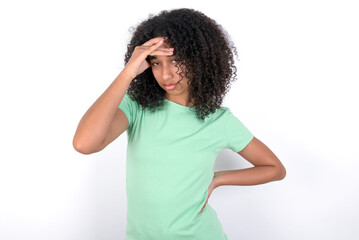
x=277, y=172
x=281, y=173
x=80, y=147
x=284, y=173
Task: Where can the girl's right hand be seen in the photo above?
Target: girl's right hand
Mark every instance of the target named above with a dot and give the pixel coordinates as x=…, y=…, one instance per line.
x=137, y=63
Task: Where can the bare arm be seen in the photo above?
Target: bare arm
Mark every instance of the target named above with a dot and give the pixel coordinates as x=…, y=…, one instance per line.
x=102, y=118
x=267, y=167
x=104, y=121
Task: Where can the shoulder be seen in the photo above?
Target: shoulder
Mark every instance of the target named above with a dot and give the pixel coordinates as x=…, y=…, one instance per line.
x=219, y=116
x=129, y=98
x=224, y=112
x=130, y=101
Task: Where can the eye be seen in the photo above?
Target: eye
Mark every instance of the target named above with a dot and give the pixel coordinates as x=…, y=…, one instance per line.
x=154, y=64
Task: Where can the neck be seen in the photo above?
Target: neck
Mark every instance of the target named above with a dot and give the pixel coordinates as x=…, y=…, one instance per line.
x=179, y=100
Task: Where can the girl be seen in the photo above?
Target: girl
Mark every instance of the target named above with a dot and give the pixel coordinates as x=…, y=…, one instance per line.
x=178, y=67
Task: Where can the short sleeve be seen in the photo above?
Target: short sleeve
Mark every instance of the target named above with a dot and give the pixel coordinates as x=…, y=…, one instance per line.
x=129, y=107
x=238, y=135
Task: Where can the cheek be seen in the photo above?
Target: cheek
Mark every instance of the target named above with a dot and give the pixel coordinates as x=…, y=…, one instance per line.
x=155, y=73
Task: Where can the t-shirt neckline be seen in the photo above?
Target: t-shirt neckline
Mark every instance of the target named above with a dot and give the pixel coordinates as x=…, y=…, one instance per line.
x=178, y=105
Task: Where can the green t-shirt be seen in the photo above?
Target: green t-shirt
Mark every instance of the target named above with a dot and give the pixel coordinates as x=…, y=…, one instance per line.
x=169, y=167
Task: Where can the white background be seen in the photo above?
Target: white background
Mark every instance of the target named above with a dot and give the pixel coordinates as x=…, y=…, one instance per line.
x=297, y=91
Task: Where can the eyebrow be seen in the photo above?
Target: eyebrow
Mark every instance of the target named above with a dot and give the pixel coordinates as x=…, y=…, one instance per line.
x=155, y=57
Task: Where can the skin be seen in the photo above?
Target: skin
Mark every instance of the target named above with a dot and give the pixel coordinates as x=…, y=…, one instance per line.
x=103, y=122
x=267, y=166
x=163, y=68
x=138, y=64
x=165, y=72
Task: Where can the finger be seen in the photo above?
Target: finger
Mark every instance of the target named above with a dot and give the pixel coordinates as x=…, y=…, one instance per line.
x=161, y=50
x=203, y=207
x=155, y=47
x=152, y=41
x=165, y=48
x=200, y=211
x=161, y=53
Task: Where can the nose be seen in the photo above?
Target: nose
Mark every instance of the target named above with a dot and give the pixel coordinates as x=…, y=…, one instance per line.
x=166, y=73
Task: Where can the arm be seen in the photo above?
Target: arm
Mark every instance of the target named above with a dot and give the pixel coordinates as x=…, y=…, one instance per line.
x=267, y=167
x=103, y=122
x=92, y=133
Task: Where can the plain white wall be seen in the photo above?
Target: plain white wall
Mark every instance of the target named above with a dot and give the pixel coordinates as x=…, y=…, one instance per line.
x=296, y=91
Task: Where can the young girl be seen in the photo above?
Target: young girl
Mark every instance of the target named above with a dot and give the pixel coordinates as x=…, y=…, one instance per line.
x=178, y=67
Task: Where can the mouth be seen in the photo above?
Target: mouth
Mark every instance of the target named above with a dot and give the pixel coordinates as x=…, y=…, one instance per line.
x=170, y=86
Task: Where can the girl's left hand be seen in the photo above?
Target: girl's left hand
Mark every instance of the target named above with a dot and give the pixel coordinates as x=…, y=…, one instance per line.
x=211, y=187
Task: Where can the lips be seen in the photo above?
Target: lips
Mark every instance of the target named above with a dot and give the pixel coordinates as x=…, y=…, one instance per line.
x=170, y=86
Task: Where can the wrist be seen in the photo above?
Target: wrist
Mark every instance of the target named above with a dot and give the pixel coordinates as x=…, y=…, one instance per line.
x=217, y=179
x=124, y=76
x=129, y=74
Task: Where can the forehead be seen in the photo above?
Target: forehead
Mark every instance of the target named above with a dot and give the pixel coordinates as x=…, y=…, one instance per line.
x=163, y=45
x=157, y=57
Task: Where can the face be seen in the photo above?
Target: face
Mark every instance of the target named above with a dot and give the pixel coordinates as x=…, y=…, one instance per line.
x=165, y=72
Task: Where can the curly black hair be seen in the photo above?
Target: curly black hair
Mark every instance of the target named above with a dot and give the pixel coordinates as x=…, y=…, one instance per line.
x=201, y=45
